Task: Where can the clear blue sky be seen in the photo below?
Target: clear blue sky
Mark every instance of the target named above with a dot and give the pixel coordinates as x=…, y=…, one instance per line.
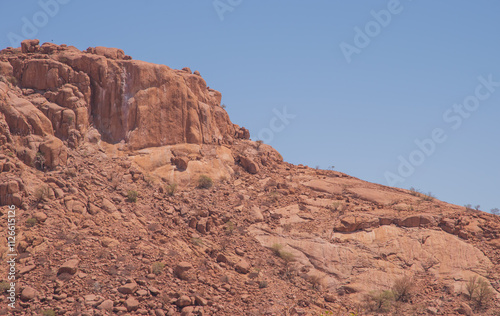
x=358, y=116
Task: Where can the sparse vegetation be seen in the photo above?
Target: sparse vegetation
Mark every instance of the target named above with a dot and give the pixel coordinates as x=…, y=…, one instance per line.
x=380, y=301
x=495, y=211
x=132, y=196
x=49, y=312
x=402, y=289
x=478, y=291
x=39, y=162
x=4, y=286
x=468, y=207
x=223, y=106
x=427, y=197
x=423, y=196
x=30, y=222
x=197, y=241
x=285, y=255
x=477, y=207
x=259, y=143
x=204, y=182
x=484, y=293
x=262, y=284
x=273, y=197
x=157, y=267
x=171, y=188
x=229, y=227
x=276, y=248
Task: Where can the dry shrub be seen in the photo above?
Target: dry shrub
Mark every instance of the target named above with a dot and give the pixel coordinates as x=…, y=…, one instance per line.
x=380, y=301
x=402, y=288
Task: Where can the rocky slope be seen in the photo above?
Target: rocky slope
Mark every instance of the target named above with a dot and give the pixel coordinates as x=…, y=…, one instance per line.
x=102, y=155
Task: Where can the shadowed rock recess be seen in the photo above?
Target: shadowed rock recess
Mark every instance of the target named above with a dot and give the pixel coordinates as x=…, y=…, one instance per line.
x=136, y=195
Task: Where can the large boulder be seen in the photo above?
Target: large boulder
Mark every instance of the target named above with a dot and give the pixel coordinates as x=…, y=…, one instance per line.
x=53, y=152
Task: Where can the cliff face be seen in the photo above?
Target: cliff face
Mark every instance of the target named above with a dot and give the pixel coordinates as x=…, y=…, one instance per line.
x=60, y=91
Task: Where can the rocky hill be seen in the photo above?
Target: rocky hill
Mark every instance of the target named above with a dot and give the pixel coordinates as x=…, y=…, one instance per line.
x=135, y=194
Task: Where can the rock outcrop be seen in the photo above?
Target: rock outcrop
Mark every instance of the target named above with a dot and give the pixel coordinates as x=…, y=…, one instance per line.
x=58, y=90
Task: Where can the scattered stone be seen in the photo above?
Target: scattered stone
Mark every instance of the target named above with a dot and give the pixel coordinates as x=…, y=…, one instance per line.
x=131, y=304
x=330, y=298
x=182, y=270
x=465, y=309
x=128, y=288
x=40, y=217
x=159, y=312
x=242, y=266
x=154, y=291
x=200, y=300
x=239, y=252
x=70, y=267
x=142, y=292
x=249, y=165
x=28, y=294
x=107, y=305
x=183, y=301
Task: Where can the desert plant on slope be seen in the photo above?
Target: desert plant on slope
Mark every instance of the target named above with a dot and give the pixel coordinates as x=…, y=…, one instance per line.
x=379, y=301
x=204, y=182
x=30, y=222
x=39, y=162
x=424, y=196
x=171, y=188
x=478, y=290
x=4, y=286
x=402, y=288
x=132, y=196
x=157, y=267
x=495, y=211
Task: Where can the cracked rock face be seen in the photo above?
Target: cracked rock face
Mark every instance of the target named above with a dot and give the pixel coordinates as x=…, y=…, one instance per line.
x=53, y=90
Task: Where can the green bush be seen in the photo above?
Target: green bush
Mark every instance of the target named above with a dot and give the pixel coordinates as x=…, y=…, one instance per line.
x=285, y=255
x=229, y=227
x=4, y=286
x=380, y=301
x=157, y=267
x=132, y=196
x=30, y=222
x=205, y=182
x=49, y=312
